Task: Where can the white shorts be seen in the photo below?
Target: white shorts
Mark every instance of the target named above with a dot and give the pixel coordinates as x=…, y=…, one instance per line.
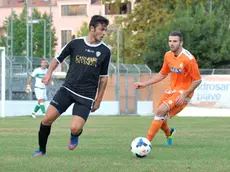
x=40, y=93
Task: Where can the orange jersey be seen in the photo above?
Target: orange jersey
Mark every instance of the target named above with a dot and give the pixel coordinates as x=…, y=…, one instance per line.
x=183, y=68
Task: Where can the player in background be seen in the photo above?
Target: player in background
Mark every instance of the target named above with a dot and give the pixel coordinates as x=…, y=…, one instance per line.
x=87, y=75
x=39, y=87
x=185, y=78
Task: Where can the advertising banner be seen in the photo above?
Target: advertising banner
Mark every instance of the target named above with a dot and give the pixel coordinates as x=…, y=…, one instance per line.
x=213, y=92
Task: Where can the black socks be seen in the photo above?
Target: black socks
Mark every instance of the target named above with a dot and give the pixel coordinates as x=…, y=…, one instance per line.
x=43, y=135
x=77, y=134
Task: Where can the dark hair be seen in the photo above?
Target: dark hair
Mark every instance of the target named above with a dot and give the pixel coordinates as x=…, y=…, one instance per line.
x=177, y=33
x=97, y=19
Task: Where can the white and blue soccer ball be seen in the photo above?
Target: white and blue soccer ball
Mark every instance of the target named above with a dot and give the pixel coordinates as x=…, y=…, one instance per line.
x=141, y=147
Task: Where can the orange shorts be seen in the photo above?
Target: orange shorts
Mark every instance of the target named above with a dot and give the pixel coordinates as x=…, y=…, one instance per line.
x=169, y=100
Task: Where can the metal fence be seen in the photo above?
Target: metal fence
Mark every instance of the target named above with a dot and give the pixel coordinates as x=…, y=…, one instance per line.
x=126, y=94
x=215, y=71
x=120, y=86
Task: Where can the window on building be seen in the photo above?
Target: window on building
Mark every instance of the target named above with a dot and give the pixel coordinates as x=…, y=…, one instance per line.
x=93, y=1
x=112, y=8
x=74, y=10
x=66, y=36
x=21, y=0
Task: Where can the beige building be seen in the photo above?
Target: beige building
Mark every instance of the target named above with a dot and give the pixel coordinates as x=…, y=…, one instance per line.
x=68, y=15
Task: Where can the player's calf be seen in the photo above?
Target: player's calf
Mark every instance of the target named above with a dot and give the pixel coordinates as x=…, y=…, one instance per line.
x=158, y=121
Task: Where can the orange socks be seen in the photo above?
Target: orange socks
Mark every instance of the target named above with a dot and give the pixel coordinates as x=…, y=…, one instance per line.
x=155, y=126
x=165, y=128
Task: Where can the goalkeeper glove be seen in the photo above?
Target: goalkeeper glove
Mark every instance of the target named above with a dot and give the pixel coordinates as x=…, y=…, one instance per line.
x=28, y=89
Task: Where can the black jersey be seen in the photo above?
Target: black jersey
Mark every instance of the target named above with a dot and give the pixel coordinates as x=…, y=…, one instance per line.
x=87, y=63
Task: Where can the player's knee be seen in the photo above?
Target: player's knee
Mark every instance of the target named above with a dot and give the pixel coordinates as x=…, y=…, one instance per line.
x=75, y=129
x=160, y=112
x=41, y=101
x=47, y=121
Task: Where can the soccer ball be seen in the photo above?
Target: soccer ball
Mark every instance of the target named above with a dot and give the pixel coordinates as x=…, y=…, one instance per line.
x=141, y=147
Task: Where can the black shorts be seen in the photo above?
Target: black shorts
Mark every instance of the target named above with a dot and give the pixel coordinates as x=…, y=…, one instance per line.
x=64, y=98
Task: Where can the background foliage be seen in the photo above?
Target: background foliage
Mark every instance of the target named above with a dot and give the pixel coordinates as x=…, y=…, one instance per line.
x=19, y=34
x=204, y=24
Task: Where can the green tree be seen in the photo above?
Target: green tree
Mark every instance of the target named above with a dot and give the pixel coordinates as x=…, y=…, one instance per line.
x=38, y=35
x=145, y=23
x=205, y=36
x=84, y=29
x=19, y=34
x=110, y=38
x=141, y=25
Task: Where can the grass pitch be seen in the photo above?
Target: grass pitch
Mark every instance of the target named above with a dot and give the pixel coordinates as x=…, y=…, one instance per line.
x=200, y=145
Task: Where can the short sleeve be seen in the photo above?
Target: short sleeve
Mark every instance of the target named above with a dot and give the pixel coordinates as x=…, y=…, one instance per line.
x=193, y=70
x=34, y=73
x=65, y=51
x=105, y=65
x=165, y=68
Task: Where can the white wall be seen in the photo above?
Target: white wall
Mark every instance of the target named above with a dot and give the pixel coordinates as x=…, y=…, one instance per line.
x=24, y=108
x=144, y=108
x=204, y=112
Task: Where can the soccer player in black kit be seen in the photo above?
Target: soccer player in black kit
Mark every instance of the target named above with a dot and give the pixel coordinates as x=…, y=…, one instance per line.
x=87, y=75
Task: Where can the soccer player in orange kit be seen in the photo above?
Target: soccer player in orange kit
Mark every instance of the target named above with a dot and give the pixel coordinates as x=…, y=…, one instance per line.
x=185, y=78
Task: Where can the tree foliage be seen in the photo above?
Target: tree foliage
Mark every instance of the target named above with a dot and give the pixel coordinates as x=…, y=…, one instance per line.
x=110, y=38
x=205, y=36
x=19, y=34
x=84, y=29
x=204, y=24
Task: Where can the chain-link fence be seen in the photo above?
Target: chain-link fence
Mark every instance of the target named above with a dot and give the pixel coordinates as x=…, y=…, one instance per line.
x=215, y=71
x=18, y=69
x=127, y=94
x=120, y=85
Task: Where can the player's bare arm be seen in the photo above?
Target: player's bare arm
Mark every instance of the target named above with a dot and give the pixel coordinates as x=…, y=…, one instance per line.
x=29, y=80
x=48, y=77
x=155, y=79
x=192, y=87
x=101, y=89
